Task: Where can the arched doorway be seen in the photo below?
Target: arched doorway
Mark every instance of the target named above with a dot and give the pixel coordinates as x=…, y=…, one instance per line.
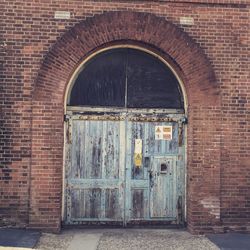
x=125, y=146
x=51, y=87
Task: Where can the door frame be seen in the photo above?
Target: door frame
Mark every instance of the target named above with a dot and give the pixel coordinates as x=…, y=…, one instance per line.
x=170, y=111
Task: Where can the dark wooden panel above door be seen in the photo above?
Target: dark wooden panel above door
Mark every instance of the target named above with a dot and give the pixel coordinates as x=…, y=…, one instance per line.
x=126, y=77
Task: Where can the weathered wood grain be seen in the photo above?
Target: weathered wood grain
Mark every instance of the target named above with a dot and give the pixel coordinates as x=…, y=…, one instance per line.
x=103, y=183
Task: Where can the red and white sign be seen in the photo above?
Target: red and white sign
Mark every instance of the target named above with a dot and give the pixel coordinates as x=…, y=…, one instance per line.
x=163, y=133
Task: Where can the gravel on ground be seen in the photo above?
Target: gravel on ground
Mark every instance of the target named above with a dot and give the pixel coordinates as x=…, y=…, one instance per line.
x=160, y=239
x=130, y=239
x=54, y=241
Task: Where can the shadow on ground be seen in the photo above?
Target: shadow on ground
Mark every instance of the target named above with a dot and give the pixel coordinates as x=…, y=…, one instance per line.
x=21, y=238
x=231, y=241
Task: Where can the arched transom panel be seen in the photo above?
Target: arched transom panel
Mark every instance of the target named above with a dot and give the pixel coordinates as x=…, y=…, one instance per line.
x=126, y=77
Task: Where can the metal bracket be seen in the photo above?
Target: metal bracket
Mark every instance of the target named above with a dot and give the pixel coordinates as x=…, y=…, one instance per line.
x=184, y=120
x=66, y=117
x=181, y=124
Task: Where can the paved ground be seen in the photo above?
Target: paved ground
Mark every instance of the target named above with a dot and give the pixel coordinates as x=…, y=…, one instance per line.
x=231, y=241
x=124, y=239
x=120, y=239
x=22, y=238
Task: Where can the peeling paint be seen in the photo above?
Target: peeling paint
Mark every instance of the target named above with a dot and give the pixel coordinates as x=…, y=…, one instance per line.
x=104, y=185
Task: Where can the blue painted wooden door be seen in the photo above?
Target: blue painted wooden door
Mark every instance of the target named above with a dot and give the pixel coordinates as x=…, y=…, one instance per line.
x=103, y=184
x=153, y=189
x=95, y=171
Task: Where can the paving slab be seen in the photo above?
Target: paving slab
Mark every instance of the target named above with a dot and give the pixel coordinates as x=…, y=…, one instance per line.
x=231, y=241
x=21, y=238
x=85, y=241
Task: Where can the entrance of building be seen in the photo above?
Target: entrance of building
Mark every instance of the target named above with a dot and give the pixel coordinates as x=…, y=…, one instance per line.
x=125, y=147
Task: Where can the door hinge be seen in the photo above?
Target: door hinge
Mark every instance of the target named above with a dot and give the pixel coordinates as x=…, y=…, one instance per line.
x=68, y=128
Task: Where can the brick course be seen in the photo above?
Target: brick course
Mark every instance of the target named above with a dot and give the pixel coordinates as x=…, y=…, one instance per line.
x=40, y=53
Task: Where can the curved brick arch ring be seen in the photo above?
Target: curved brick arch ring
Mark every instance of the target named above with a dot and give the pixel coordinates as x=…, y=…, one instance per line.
x=127, y=26
x=49, y=94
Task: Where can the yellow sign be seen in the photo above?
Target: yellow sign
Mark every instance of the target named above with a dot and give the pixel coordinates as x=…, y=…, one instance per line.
x=138, y=160
x=167, y=129
x=158, y=130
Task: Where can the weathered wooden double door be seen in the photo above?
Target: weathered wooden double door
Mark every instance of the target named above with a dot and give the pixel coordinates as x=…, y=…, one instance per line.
x=124, y=168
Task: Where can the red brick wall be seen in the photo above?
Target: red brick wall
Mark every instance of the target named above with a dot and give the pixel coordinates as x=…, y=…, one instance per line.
x=35, y=70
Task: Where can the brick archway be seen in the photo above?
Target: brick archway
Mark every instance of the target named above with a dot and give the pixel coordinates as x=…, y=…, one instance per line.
x=189, y=61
